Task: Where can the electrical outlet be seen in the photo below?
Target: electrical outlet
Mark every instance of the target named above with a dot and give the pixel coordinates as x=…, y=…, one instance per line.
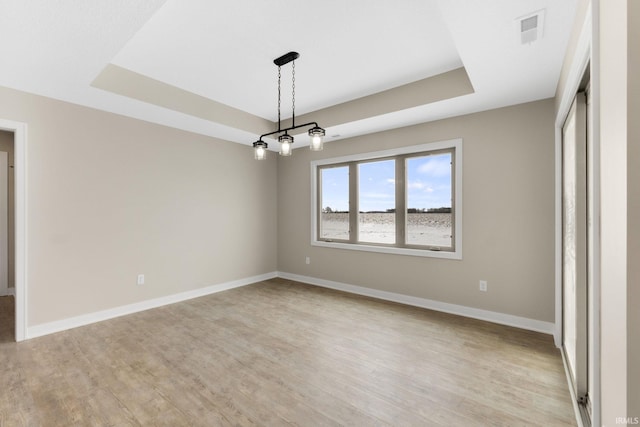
x=140, y=279
x=483, y=285
x=308, y=260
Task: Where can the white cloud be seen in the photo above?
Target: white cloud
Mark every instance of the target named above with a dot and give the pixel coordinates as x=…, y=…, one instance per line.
x=372, y=195
x=436, y=166
x=419, y=185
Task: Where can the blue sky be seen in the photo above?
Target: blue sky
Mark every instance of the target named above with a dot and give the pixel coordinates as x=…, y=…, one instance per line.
x=428, y=178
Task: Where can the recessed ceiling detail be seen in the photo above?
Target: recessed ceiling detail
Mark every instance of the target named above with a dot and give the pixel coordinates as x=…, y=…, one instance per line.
x=127, y=83
x=205, y=66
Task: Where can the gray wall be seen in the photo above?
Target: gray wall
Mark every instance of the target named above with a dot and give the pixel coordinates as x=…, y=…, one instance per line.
x=110, y=197
x=508, y=216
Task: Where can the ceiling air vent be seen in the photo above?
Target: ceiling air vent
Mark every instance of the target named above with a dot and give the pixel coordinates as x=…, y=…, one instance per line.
x=530, y=27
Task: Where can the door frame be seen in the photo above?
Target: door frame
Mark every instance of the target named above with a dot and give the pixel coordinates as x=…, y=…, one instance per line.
x=581, y=60
x=4, y=223
x=19, y=130
x=580, y=168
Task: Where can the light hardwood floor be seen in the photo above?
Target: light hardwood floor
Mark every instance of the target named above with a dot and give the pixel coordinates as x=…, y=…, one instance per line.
x=284, y=353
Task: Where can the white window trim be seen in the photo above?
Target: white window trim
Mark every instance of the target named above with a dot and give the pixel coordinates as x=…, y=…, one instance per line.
x=439, y=145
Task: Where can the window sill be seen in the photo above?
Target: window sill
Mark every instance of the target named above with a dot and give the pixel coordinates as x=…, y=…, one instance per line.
x=457, y=255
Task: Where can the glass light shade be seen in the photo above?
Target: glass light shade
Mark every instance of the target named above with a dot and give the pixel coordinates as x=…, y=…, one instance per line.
x=316, y=143
x=285, y=148
x=285, y=144
x=260, y=150
x=316, y=133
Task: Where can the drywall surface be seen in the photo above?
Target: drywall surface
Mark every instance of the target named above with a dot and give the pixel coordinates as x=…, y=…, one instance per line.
x=508, y=216
x=109, y=197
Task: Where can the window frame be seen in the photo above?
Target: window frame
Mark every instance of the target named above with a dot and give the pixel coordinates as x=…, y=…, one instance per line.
x=399, y=154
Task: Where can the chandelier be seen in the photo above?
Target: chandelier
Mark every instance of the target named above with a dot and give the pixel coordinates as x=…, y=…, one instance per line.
x=316, y=132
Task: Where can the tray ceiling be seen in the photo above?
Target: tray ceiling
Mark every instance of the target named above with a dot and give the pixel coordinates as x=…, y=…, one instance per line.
x=206, y=66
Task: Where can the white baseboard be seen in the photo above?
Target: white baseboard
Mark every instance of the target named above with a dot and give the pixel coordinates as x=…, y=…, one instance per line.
x=557, y=336
x=86, y=319
x=475, y=313
x=11, y=291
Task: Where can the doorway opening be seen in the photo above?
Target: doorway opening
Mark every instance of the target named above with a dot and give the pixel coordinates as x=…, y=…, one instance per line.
x=18, y=229
x=7, y=237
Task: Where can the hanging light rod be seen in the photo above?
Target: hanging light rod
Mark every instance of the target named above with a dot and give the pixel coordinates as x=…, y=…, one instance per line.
x=316, y=132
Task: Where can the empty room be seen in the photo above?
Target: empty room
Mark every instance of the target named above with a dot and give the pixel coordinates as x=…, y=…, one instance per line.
x=335, y=213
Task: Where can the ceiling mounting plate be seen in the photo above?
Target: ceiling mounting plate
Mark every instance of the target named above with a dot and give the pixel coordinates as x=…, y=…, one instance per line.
x=286, y=58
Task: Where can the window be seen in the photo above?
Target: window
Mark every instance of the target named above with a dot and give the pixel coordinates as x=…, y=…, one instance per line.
x=334, y=222
x=377, y=202
x=405, y=201
x=429, y=200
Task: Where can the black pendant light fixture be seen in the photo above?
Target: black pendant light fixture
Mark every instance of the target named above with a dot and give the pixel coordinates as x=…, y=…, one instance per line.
x=316, y=132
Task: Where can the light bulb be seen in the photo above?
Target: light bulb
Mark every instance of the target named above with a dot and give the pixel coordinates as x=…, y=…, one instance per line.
x=285, y=149
x=316, y=133
x=316, y=143
x=285, y=144
x=260, y=149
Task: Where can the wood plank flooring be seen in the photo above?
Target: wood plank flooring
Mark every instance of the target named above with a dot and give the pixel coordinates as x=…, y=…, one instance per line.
x=284, y=353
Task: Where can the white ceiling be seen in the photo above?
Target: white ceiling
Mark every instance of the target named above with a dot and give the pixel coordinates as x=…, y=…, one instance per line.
x=223, y=50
